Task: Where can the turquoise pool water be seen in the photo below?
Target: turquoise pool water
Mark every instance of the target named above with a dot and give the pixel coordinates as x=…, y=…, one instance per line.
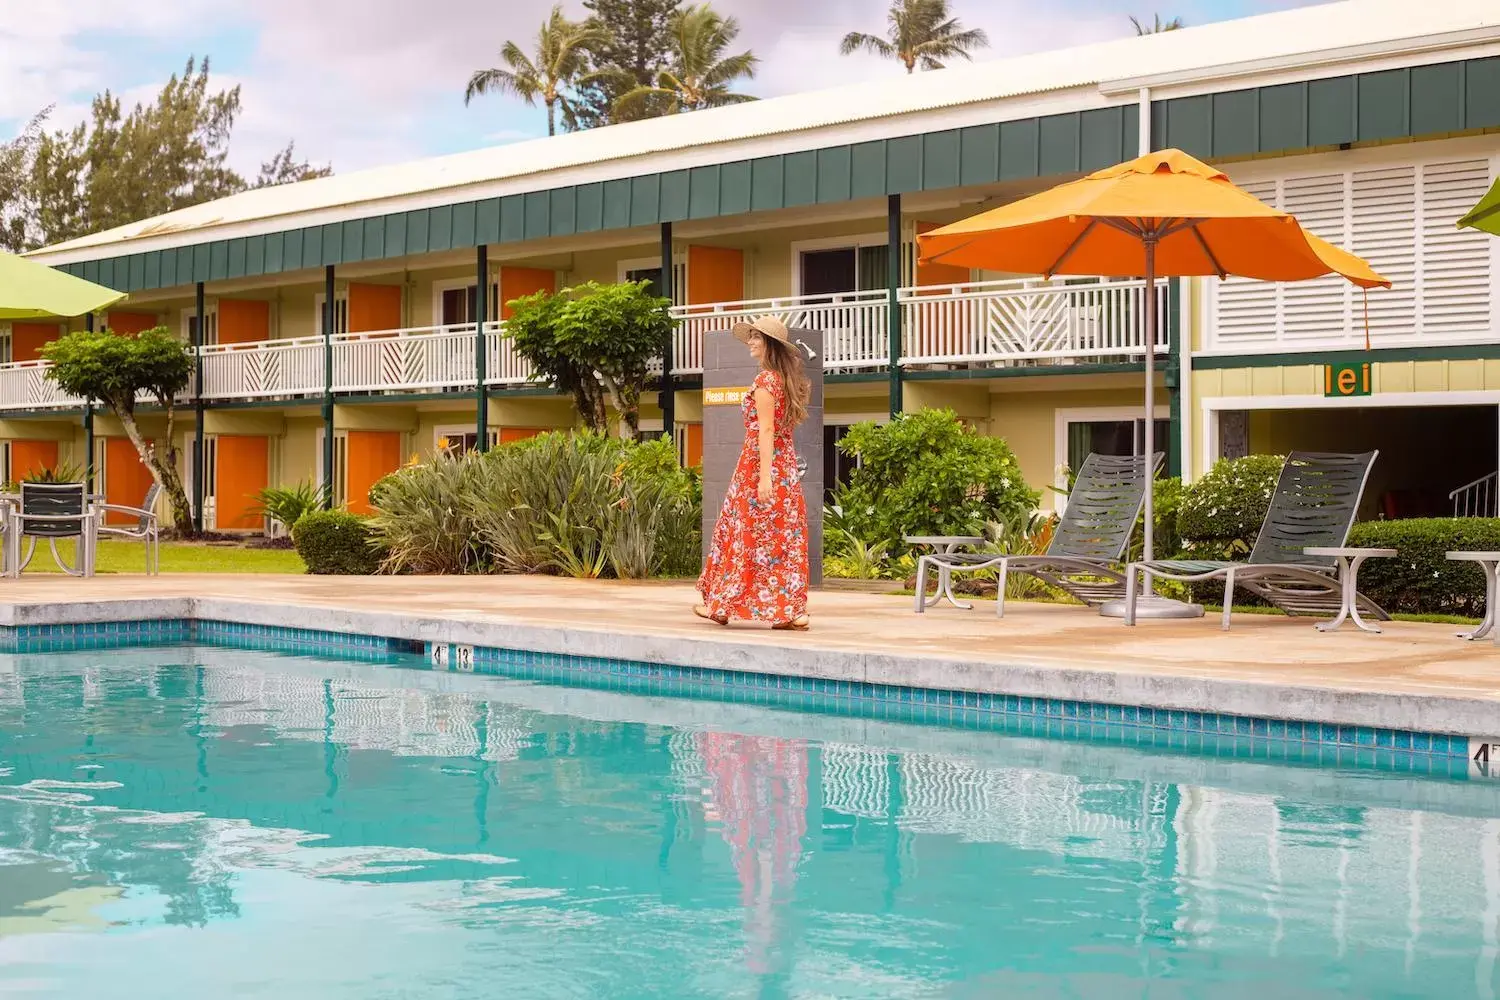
x=204, y=822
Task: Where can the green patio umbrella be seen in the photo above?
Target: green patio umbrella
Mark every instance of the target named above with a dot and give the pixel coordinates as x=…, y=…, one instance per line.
x=29, y=290
x=1485, y=216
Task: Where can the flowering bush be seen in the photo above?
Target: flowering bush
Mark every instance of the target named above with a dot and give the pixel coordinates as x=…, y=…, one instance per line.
x=1220, y=515
x=925, y=473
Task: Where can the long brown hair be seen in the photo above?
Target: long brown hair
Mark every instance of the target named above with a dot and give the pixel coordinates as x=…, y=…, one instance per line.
x=786, y=360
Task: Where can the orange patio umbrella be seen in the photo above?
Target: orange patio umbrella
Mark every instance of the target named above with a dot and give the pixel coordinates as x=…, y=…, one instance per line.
x=1165, y=214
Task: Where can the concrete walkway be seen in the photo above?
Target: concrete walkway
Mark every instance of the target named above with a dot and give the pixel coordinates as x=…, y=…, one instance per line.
x=1414, y=676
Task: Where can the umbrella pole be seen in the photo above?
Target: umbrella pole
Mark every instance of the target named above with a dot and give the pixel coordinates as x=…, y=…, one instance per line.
x=1150, y=435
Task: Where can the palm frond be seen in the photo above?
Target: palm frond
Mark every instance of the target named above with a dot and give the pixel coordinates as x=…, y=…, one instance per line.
x=857, y=41
x=500, y=81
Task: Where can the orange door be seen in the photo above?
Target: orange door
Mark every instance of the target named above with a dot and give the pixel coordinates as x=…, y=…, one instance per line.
x=28, y=339
x=29, y=457
x=715, y=274
x=244, y=321
x=130, y=323
x=126, y=478
x=242, y=467
x=509, y=434
x=371, y=455
x=374, y=308
x=692, y=445
x=516, y=282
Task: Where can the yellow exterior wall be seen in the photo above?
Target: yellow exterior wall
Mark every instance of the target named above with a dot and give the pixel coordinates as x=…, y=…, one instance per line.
x=299, y=452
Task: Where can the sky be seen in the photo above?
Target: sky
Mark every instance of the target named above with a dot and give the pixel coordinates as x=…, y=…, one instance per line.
x=360, y=83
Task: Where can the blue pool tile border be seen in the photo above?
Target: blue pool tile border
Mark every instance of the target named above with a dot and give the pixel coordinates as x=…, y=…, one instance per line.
x=1243, y=737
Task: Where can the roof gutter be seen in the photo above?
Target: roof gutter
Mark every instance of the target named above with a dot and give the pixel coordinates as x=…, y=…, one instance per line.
x=1328, y=58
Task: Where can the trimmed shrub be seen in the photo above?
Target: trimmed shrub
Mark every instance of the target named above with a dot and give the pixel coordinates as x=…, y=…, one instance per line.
x=335, y=543
x=925, y=473
x=1220, y=515
x=1421, y=580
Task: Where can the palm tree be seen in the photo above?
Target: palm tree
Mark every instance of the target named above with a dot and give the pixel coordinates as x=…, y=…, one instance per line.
x=561, y=55
x=700, y=74
x=920, y=33
x=1157, y=25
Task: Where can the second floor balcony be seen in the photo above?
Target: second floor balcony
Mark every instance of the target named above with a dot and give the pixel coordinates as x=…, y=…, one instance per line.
x=985, y=325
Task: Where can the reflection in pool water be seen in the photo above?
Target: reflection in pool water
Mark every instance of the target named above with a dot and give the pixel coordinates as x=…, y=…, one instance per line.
x=205, y=822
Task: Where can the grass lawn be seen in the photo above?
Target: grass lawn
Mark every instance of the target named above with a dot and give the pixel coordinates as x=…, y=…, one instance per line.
x=116, y=556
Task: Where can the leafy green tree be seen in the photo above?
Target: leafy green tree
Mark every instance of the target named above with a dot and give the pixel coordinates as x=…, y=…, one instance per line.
x=925, y=473
x=120, y=167
x=560, y=63
x=637, y=45
x=594, y=342
x=700, y=74
x=1157, y=25
x=919, y=33
x=116, y=370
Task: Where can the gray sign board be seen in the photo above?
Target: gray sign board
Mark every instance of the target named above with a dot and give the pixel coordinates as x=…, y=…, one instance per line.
x=728, y=371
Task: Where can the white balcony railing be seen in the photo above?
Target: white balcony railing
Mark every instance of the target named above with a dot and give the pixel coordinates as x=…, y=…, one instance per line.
x=24, y=385
x=998, y=322
x=984, y=324
x=855, y=325
x=267, y=369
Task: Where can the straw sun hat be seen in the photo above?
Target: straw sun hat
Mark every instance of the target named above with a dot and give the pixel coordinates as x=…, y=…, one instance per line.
x=766, y=326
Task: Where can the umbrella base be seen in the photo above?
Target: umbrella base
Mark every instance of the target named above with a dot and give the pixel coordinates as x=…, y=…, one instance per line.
x=1153, y=607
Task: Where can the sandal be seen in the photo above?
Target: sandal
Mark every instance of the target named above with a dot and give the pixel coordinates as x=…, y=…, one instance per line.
x=701, y=610
x=798, y=624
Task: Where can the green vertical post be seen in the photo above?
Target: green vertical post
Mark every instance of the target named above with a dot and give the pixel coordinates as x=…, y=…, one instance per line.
x=88, y=425
x=197, y=456
x=893, y=298
x=329, y=312
x=1173, y=379
x=668, y=395
x=481, y=312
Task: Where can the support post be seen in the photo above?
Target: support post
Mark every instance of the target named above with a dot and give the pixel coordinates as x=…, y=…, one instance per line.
x=668, y=395
x=329, y=312
x=197, y=455
x=1174, y=371
x=1148, y=507
x=893, y=298
x=481, y=314
x=88, y=424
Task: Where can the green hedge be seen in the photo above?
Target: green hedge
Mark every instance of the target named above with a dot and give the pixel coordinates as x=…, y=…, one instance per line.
x=335, y=543
x=1421, y=580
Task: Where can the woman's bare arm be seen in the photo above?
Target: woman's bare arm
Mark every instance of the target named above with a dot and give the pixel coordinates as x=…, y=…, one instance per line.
x=765, y=413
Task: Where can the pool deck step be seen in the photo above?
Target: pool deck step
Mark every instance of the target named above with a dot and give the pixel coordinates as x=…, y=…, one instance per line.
x=1417, y=677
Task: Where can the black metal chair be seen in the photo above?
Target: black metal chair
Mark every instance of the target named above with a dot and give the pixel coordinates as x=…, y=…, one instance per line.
x=52, y=511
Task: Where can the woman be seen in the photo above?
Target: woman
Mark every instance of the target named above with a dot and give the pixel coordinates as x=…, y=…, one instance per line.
x=756, y=568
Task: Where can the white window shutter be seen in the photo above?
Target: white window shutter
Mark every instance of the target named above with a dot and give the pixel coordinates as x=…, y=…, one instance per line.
x=1456, y=263
x=1317, y=309
x=1245, y=310
x=1384, y=203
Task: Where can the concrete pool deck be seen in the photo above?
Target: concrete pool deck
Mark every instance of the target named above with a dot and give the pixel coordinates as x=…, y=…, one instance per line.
x=1414, y=676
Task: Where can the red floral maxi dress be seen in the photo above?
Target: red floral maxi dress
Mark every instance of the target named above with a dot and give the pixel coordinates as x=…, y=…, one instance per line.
x=757, y=559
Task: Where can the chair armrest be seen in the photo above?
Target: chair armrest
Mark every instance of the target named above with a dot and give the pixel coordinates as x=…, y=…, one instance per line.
x=123, y=509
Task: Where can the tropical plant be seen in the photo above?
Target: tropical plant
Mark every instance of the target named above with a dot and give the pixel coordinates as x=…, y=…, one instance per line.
x=116, y=371
x=594, y=342
x=1220, y=515
x=1157, y=25
x=336, y=543
x=919, y=33
x=560, y=63
x=848, y=557
x=638, y=44
x=699, y=74
x=421, y=520
x=925, y=473
x=287, y=504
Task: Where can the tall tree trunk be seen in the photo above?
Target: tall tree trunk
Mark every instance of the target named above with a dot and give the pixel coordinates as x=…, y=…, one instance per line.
x=551, y=116
x=163, y=473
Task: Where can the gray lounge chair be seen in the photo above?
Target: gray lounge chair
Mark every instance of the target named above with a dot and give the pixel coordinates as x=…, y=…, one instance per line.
x=1087, y=551
x=1317, y=497
x=145, y=529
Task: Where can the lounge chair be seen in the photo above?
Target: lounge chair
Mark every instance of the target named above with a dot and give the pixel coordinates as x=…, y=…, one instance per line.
x=145, y=529
x=1317, y=497
x=1087, y=551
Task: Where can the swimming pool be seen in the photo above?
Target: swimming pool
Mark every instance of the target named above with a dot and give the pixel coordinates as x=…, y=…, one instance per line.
x=201, y=822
